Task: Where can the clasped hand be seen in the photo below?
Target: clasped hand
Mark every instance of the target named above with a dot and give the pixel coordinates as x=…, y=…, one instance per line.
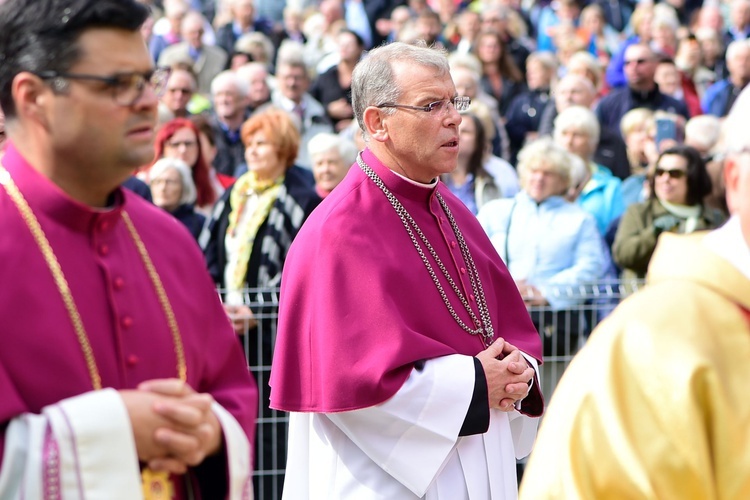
x=173, y=426
x=507, y=373
x=242, y=318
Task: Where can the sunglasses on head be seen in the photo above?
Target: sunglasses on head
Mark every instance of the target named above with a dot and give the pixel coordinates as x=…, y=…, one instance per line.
x=673, y=173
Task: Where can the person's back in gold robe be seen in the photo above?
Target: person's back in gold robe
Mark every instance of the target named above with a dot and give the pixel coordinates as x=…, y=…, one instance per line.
x=657, y=404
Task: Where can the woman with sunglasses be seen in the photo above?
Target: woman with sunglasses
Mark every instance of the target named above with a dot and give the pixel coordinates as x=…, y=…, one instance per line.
x=678, y=186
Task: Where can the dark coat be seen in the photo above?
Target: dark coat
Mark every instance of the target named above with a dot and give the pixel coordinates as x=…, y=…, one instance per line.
x=636, y=236
x=192, y=219
x=298, y=196
x=614, y=105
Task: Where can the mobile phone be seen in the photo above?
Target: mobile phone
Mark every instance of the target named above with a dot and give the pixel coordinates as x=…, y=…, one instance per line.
x=666, y=129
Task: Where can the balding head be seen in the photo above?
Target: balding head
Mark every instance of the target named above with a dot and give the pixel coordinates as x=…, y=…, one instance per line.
x=574, y=90
x=192, y=28
x=640, y=66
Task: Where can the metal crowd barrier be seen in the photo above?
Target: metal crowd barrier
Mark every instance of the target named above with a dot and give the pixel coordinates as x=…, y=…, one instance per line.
x=563, y=333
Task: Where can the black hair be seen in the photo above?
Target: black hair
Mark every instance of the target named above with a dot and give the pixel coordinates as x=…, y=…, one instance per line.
x=42, y=35
x=699, y=183
x=360, y=41
x=476, y=160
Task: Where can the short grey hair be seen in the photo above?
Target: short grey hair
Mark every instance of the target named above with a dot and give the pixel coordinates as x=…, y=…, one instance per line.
x=291, y=53
x=232, y=78
x=466, y=61
x=581, y=119
x=544, y=151
x=577, y=81
x=703, y=130
x=735, y=47
x=579, y=171
x=247, y=70
x=373, y=81
x=325, y=141
x=734, y=128
x=189, y=193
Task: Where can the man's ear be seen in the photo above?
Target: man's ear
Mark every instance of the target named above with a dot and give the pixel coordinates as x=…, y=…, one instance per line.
x=731, y=181
x=32, y=97
x=375, y=124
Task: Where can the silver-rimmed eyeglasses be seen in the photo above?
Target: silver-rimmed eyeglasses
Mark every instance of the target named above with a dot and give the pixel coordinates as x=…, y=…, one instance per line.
x=126, y=88
x=461, y=103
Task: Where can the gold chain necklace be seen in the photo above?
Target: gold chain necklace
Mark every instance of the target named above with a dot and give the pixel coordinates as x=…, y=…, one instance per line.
x=155, y=484
x=481, y=326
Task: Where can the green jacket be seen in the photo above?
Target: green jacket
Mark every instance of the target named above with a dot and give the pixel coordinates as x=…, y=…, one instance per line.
x=636, y=236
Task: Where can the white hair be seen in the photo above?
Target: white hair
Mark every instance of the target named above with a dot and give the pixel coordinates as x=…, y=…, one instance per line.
x=189, y=193
x=325, y=141
x=228, y=76
x=248, y=70
x=734, y=128
x=703, y=130
x=735, y=47
x=580, y=119
x=467, y=61
x=544, y=151
x=579, y=173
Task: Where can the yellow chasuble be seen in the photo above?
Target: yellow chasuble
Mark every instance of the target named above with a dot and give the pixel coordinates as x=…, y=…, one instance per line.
x=657, y=404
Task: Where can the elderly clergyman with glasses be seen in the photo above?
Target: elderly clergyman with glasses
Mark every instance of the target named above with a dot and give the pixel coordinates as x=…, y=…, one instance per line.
x=404, y=350
x=119, y=374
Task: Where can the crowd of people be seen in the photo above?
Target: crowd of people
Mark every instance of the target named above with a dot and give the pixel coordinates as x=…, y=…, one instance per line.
x=588, y=129
x=615, y=85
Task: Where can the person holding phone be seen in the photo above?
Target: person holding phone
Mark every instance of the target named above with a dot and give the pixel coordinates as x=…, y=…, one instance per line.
x=678, y=185
x=670, y=131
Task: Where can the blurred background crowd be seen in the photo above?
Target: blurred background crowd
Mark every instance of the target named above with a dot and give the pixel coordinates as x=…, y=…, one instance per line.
x=594, y=127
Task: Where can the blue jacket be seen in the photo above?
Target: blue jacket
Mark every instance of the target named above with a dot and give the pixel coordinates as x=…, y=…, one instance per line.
x=602, y=198
x=717, y=97
x=552, y=245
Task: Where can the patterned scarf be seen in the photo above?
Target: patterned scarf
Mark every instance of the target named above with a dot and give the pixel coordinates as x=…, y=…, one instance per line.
x=246, y=186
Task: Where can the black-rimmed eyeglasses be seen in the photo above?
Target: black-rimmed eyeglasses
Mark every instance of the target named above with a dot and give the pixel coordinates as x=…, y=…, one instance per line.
x=127, y=88
x=461, y=103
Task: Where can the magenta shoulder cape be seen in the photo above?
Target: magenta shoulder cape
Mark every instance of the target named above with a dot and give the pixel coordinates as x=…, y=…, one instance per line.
x=41, y=361
x=358, y=307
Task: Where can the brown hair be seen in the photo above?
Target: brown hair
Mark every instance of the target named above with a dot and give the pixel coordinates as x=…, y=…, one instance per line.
x=279, y=129
x=506, y=64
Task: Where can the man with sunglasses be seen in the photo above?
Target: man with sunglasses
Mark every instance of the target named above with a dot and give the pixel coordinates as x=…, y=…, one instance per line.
x=404, y=350
x=641, y=90
x=655, y=405
x=119, y=374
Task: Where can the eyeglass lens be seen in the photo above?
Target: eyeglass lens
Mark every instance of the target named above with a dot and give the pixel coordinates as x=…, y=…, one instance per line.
x=129, y=88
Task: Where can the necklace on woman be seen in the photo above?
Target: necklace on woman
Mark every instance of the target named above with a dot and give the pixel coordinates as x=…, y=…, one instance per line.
x=482, y=325
x=156, y=484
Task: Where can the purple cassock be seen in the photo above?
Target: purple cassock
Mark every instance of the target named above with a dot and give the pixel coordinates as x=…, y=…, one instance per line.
x=359, y=308
x=41, y=361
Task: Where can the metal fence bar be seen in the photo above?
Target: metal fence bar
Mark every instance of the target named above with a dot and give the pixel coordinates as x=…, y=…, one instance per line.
x=563, y=333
